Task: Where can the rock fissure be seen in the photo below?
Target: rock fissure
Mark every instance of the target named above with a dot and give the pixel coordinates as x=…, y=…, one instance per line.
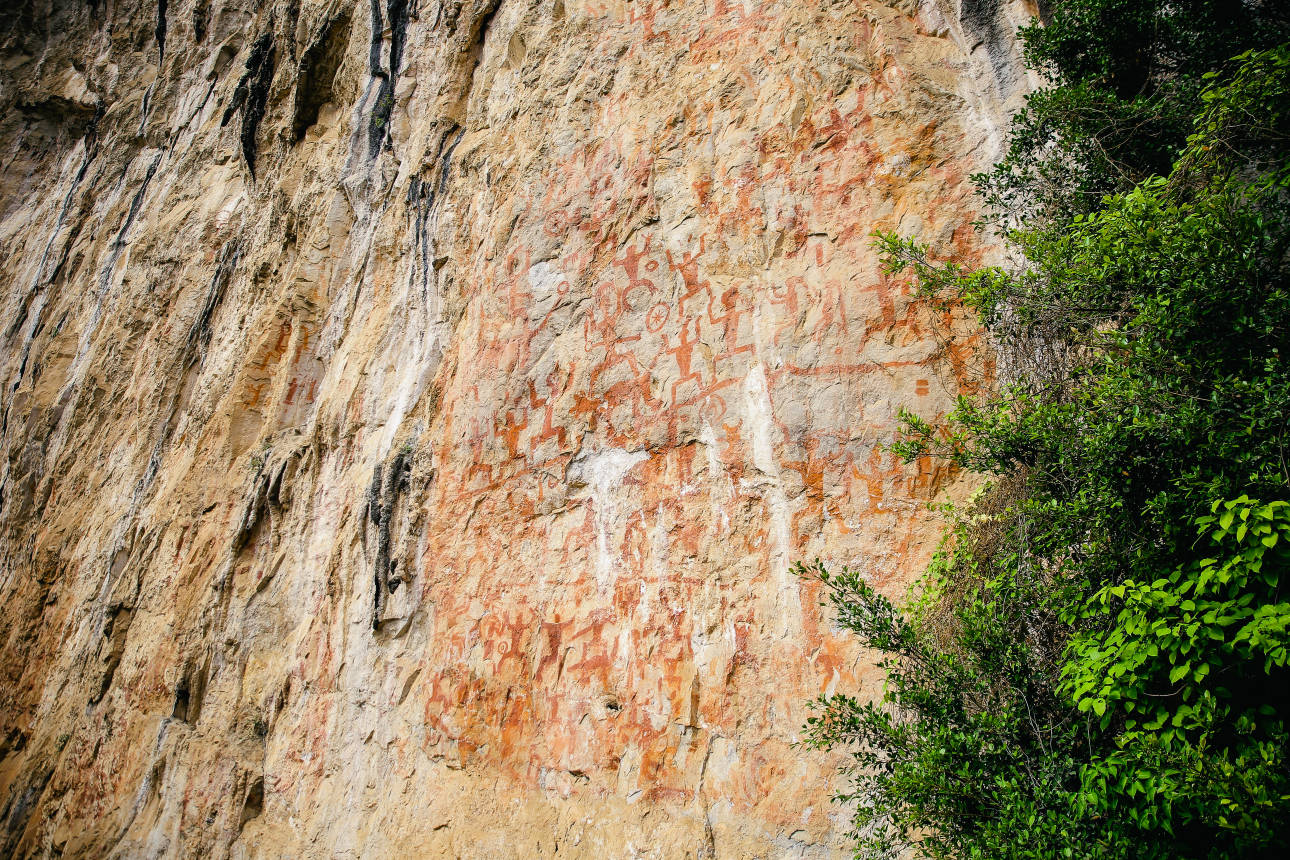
x=316, y=76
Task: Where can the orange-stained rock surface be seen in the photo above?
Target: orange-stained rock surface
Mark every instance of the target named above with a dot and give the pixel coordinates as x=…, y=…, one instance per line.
x=410, y=412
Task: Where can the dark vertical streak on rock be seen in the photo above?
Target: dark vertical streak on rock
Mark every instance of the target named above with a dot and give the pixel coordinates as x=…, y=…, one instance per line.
x=200, y=11
x=420, y=201
x=374, y=50
x=112, y=648
x=37, y=286
x=382, y=496
x=91, y=148
x=252, y=95
x=144, y=107
x=486, y=21
x=119, y=243
x=983, y=21
x=423, y=194
x=291, y=17
x=398, y=13
x=19, y=808
x=161, y=29
x=257, y=504
x=446, y=165
x=374, y=514
x=194, y=350
x=199, y=334
x=379, y=126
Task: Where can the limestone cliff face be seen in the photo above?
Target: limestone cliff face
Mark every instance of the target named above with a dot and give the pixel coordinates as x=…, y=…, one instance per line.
x=410, y=412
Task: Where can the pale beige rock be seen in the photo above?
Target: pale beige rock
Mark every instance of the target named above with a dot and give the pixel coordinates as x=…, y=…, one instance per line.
x=432, y=489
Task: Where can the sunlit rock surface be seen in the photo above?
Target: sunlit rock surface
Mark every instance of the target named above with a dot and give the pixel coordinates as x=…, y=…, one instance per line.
x=411, y=412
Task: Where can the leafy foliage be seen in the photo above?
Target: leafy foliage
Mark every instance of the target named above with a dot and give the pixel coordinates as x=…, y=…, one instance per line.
x=1185, y=669
x=1097, y=661
x=1122, y=84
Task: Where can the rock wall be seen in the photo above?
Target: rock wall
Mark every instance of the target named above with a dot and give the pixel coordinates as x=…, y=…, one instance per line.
x=410, y=412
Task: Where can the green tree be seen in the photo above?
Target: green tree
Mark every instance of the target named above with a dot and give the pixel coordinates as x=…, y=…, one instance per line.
x=1122, y=81
x=1095, y=665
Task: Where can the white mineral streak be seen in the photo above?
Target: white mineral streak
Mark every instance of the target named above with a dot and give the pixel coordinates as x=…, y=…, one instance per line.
x=604, y=471
x=722, y=487
x=761, y=419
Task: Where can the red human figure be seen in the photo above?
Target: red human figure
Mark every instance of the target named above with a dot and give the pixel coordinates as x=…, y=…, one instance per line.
x=554, y=385
x=683, y=352
x=602, y=333
x=728, y=320
x=688, y=268
x=631, y=263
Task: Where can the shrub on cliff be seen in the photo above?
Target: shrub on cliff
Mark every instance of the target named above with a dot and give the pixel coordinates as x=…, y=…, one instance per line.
x=1122, y=83
x=1097, y=663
